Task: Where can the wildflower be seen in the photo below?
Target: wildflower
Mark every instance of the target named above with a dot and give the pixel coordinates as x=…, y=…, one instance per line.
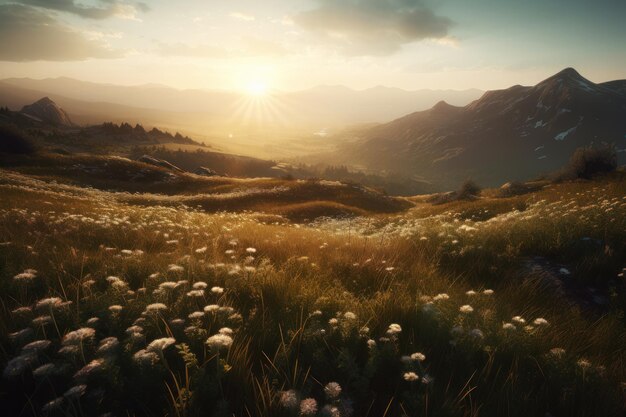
x=36, y=346
x=584, y=363
x=145, y=358
x=75, y=392
x=442, y=296
x=196, y=315
x=331, y=411
x=16, y=366
x=226, y=331
x=52, y=405
x=410, y=376
x=518, y=320
x=488, y=292
x=251, y=250
x=470, y=293
x=332, y=390
x=51, y=303
x=219, y=341
x=201, y=250
x=167, y=285
x=466, y=309
x=134, y=329
x=508, y=326
x=27, y=276
x=22, y=311
x=115, y=309
x=159, y=345
x=200, y=285
x=211, y=308
x=417, y=356
x=308, y=407
x=333, y=322
x=41, y=320
x=288, y=399
x=175, y=268
x=393, y=329
x=477, y=334
x=44, y=370
x=89, y=369
x=349, y=315
x=78, y=336
x=155, y=308
x=557, y=352
x=540, y=321
x=195, y=293
x=371, y=343
x=70, y=350
x=217, y=290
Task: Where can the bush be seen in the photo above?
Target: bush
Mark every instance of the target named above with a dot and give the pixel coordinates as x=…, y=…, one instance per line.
x=469, y=190
x=13, y=140
x=586, y=163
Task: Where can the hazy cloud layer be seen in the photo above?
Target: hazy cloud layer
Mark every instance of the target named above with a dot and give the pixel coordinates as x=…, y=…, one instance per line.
x=247, y=47
x=28, y=34
x=109, y=8
x=373, y=27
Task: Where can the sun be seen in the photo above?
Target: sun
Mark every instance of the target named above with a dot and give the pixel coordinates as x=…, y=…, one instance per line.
x=257, y=88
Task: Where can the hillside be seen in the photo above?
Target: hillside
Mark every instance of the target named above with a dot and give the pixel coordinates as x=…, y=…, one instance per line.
x=517, y=133
x=147, y=304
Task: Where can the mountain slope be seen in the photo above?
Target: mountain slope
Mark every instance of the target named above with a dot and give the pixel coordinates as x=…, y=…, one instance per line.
x=514, y=133
x=47, y=111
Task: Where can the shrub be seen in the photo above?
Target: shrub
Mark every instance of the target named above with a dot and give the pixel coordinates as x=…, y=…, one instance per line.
x=13, y=140
x=469, y=190
x=588, y=162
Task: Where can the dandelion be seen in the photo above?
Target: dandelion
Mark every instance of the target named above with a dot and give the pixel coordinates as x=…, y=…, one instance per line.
x=288, y=399
x=195, y=293
x=219, y=341
x=217, y=290
x=331, y=411
x=417, y=356
x=167, y=285
x=466, y=309
x=22, y=311
x=371, y=343
x=308, y=407
x=477, y=334
x=394, y=329
x=488, y=292
x=584, y=363
x=226, y=331
x=201, y=250
x=49, y=303
x=540, y=321
x=89, y=369
x=470, y=293
x=196, y=315
x=518, y=320
x=332, y=390
x=251, y=250
x=410, y=376
x=333, y=322
x=508, y=326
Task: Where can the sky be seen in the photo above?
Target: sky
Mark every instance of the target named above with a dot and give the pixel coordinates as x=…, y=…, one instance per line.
x=255, y=45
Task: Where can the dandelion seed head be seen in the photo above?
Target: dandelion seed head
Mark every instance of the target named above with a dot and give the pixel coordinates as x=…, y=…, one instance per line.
x=410, y=376
x=332, y=390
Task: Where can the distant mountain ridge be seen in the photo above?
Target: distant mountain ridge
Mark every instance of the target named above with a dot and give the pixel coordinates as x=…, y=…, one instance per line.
x=515, y=133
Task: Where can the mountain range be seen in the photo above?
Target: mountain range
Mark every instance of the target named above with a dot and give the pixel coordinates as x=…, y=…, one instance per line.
x=515, y=133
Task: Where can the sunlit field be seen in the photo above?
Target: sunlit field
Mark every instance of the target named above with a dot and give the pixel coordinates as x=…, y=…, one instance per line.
x=493, y=307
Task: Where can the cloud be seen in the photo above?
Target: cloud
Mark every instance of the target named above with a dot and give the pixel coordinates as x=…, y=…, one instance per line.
x=248, y=47
x=110, y=8
x=242, y=16
x=28, y=34
x=373, y=27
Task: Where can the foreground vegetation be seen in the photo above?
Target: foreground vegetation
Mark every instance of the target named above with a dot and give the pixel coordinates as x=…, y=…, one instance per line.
x=490, y=306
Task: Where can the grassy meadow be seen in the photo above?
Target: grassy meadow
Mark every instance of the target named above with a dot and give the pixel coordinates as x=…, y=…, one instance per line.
x=137, y=303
